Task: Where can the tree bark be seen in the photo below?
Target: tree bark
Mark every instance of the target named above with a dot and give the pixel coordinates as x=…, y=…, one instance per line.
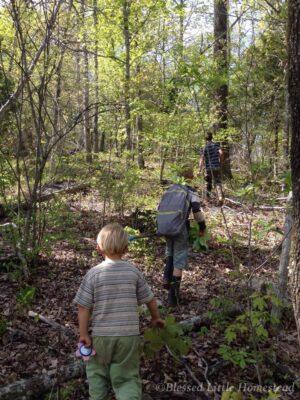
x=286, y=128
x=284, y=258
x=294, y=96
x=102, y=141
x=127, y=42
x=221, y=94
x=276, y=144
x=96, y=66
x=57, y=104
x=139, y=126
x=285, y=253
x=86, y=94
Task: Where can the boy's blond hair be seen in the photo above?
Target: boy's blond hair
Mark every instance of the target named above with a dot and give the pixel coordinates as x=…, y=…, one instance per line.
x=112, y=239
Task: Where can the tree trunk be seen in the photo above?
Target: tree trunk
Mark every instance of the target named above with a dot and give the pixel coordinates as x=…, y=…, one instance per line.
x=285, y=253
x=221, y=94
x=286, y=128
x=86, y=94
x=102, y=141
x=96, y=66
x=162, y=164
x=78, y=83
x=126, y=34
x=57, y=108
x=139, y=126
x=284, y=258
x=276, y=145
x=181, y=28
x=294, y=96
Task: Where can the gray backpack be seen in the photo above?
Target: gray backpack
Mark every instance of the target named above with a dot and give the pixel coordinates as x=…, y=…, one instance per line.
x=173, y=211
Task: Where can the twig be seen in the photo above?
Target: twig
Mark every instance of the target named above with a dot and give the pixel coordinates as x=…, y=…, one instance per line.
x=229, y=237
x=206, y=366
x=192, y=375
x=51, y=322
x=25, y=79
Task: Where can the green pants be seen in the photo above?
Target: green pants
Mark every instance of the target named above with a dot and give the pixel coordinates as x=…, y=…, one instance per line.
x=117, y=362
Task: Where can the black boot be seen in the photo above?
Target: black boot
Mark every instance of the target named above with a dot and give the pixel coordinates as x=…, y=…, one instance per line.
x=168, y=272
x=173, y=297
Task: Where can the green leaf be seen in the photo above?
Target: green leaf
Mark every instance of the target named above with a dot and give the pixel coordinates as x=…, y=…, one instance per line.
x=230, y=334
x=203, y=331
x=171, y=335
x=262, y=333
x=26, y=295
x=259, y=303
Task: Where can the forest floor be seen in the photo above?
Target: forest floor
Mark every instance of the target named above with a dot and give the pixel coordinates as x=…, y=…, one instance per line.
x=30, y=346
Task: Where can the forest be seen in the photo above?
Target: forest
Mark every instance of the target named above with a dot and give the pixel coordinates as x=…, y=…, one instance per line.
x=105, y=106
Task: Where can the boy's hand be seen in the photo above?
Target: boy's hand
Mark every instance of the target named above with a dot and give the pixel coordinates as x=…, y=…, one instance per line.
x=158, y=323
x=201, y=233
x=86, y=340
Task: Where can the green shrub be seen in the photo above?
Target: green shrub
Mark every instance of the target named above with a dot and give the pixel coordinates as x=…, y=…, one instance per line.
x=26, y=296
x=244, y=335
x=171, y=335
x=199, y=243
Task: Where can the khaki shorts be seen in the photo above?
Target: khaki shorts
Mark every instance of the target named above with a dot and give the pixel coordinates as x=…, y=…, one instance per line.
x=177, y=247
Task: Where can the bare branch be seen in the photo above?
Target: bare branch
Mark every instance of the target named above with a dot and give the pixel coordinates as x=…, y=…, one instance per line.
x=31, y=67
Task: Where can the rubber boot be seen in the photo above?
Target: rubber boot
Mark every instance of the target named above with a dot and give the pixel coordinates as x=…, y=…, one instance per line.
x=168, y=273
x=173, y=296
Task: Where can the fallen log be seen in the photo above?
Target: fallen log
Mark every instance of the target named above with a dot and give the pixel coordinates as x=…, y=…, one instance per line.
x=263, y=208
x=67, y=190
x=270, y=208
x=195, y=323
x=44, y=197
x=34, y=387
x=233, y=202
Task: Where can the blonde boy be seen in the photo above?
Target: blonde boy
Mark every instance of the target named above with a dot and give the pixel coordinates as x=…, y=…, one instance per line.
x=112, y=290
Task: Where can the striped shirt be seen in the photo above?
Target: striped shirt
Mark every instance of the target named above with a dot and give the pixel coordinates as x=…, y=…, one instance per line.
x=114, y=289
x=212, y=156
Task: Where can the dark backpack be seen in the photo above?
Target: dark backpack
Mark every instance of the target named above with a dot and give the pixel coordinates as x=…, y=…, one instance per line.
x=173, y=211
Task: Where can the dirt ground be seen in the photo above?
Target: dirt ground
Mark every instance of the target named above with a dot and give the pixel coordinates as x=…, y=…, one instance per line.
x=32, y=347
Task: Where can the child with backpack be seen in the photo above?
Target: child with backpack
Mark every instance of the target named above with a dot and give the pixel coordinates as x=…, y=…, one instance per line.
x=173, y=223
